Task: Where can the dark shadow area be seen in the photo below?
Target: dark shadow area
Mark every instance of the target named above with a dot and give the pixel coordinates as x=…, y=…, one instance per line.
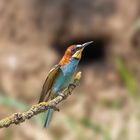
x=94, y=53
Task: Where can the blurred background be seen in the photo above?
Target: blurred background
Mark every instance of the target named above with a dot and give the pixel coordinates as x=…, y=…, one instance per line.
x=33, y=37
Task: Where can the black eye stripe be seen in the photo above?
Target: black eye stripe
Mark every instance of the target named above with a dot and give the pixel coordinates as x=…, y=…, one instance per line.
x=75, y=49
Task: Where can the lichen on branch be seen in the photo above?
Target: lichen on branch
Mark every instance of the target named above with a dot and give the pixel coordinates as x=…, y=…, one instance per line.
x=18, y=118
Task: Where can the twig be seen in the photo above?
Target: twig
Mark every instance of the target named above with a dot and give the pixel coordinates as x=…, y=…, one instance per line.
x=18, y=118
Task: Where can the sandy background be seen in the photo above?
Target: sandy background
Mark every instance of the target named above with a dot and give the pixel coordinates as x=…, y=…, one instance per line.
x=33, y=37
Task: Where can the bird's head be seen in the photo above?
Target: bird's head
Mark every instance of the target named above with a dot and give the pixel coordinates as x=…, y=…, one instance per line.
x=73, y=52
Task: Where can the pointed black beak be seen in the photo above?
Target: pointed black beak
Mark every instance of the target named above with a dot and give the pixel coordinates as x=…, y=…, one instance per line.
x=86, y=44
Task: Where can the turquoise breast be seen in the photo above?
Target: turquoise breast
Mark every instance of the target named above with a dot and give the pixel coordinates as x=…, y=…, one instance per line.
x=64, y=77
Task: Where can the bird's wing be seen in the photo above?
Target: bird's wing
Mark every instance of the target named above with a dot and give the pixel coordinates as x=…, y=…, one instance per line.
x=49, y=82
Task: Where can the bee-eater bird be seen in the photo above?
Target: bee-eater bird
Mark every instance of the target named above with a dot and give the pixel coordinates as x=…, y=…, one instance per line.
x=60, y=76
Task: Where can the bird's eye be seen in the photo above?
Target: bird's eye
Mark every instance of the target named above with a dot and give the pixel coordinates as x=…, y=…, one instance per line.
x=74, y=50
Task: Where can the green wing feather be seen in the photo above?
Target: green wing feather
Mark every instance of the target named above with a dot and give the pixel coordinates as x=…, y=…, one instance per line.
x=46, y=90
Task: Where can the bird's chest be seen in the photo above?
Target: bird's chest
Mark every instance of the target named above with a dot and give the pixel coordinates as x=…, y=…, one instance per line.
x=62, y=81
x=64, y=77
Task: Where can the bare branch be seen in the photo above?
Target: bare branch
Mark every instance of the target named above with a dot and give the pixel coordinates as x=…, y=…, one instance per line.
x=18, y=118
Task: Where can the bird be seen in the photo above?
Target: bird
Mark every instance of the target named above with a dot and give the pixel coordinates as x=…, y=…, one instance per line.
x=61, y=75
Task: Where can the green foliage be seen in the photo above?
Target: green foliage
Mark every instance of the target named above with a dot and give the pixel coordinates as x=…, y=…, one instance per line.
x=127, y=79
x=113, y=104
x=12, y=103
x=76, y=126
x=19, y=105
x=95, y=128
x=136, y=26
x=73, y=125
x=86, y=123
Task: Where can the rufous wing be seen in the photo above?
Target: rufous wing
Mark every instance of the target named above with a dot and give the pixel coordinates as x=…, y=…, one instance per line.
x=45, y=94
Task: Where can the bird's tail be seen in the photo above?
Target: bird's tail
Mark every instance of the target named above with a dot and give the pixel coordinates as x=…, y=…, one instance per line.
x=48, y=117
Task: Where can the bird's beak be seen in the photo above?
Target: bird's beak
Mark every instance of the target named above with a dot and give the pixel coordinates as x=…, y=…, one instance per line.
x=78, y=54
x=86, y=44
